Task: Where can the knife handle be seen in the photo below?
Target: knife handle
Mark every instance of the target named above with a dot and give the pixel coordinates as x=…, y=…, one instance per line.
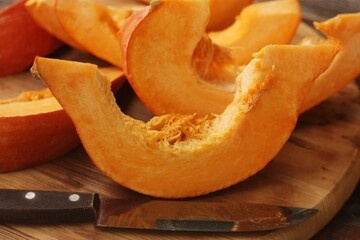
x=38, y=207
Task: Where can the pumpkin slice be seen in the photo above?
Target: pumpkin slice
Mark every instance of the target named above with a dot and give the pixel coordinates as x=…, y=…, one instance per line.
x=21, y=39
x=223, y=13
x=199, y=76
x=195, y=88
x=346, y=66
x=258, y=25
x=34, y=128
x=176, y=155
x=94, y=26
x=43, y=12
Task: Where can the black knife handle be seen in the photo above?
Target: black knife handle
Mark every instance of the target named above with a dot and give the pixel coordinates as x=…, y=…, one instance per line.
x=43, y=207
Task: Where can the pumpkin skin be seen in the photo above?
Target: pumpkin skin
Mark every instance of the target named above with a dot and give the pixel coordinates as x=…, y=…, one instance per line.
x=35, y=129
x=346, y=66
x=174, y=155
x=222, y=14
x=21, y=39
x=207, y=70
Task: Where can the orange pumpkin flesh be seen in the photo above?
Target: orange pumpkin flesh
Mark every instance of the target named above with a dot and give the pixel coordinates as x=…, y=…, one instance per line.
x=223, y=13
x=94, y=26
x=43, y=12
x=346, y=66
x=197, y=89
x=177, y=155
x=258, y=25
x=151, y=75
x=34, y=128
x=21, y=39
x=207, y=71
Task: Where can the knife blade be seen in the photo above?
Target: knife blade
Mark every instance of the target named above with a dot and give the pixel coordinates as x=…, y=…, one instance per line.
x=49, y=207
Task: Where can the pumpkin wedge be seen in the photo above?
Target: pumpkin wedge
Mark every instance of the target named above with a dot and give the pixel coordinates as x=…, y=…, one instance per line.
x=223, y=13
x=197, y=79
x=34, y=128
x=21, y=39
x=346, y=66
x=176, y=155
x=199, y=75
x=166, y=78
x=43, y=12
x=94, y=26
x=258, y=25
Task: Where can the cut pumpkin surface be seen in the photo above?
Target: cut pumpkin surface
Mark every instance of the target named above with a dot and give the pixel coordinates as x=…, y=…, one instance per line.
x=197, y=79
x=176, y=155
x=258, y=25
x=86, y=25
x=94, y=26
x=43, y=12
x=223, y=13
x=34, y=128
x=346, y=66
x=169, y=83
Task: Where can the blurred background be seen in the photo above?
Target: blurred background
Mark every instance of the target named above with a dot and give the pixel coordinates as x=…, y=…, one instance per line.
x=320, y=10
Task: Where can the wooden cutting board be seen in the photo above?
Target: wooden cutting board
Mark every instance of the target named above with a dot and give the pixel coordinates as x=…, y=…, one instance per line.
x=319, y=167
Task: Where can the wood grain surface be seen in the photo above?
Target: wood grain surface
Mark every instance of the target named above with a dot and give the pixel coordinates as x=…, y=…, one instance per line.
x=346, y=224
x=319, y=167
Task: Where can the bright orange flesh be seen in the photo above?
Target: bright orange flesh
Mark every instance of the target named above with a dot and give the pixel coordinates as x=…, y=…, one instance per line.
x=258, y=25
x=175, y=155
x=346, y=65
x=198, y=76
x=223, y=13
x=43, y=12
x=93, y=25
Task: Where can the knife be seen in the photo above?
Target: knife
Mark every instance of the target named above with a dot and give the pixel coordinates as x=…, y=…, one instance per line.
x=49, y=207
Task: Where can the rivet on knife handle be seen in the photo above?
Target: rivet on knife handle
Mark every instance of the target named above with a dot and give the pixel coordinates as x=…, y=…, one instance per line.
x=20, y=206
